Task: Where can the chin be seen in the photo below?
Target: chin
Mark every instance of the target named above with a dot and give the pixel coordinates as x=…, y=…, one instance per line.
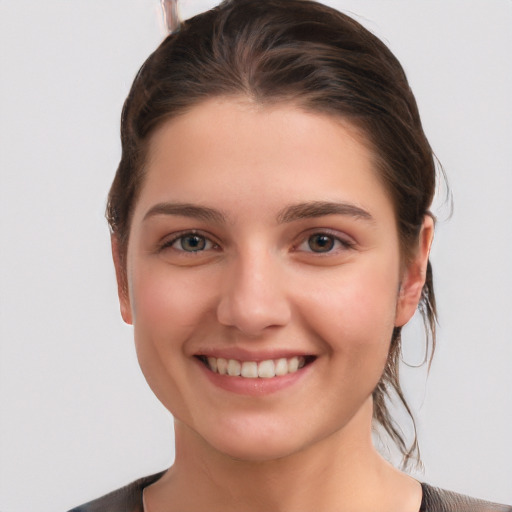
x=261, y=443
x=257, y=452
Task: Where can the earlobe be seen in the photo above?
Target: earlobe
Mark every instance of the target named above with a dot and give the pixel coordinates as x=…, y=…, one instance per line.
x=122, y=284
x=414, y=275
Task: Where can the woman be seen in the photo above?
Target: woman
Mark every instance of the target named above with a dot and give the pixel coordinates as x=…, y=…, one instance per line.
x=271, y=235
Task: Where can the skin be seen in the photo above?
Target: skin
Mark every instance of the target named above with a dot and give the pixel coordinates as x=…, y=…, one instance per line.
x=263, y=287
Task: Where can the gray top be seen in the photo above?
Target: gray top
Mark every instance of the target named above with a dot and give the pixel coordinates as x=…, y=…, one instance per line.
x=129, y=499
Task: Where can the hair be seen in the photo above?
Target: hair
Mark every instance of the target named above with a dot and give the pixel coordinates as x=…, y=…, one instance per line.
x=312, y=56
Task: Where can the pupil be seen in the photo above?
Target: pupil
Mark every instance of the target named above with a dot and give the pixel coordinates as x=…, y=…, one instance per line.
x=193, y=243
x=321, y=243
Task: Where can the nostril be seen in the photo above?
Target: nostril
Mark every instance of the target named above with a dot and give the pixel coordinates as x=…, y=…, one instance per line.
x=252, y=315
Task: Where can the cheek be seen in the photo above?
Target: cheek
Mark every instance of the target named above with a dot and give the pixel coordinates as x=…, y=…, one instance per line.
x=166, y=301
x=353, y=311
x=169, y=309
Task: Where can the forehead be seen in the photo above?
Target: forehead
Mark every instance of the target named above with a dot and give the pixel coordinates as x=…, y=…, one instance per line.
x=238, y=119
x=233, y=150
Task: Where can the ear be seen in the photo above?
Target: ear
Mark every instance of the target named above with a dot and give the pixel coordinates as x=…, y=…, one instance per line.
x=414, y=275
x=122, y=280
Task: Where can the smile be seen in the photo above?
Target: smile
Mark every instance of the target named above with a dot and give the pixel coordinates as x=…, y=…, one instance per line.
x=253, y=370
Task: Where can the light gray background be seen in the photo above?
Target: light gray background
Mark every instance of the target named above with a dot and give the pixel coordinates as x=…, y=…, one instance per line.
x=77, y=418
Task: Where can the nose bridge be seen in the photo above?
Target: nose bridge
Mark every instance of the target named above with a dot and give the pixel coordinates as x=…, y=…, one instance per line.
x=254, y=296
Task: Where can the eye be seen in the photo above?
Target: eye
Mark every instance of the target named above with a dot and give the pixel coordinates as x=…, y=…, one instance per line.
x=320, y=242
x=323, y=243
x=190, y=242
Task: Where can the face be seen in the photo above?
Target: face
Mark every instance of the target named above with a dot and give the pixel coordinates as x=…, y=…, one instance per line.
x=264, y=276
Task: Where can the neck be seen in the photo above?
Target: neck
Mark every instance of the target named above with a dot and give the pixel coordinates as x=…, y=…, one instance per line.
x=336, y=473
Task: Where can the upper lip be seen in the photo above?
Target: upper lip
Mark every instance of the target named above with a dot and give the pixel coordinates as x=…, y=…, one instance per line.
x=241, y=354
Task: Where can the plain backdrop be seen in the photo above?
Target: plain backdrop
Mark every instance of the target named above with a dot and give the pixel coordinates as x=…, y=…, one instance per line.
x=77, y=418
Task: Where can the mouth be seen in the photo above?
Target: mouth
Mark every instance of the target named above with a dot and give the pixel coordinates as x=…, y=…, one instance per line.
x=266, y=369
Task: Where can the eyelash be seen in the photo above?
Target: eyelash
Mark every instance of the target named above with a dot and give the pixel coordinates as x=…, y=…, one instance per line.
x=338, y=244
x=168, y=244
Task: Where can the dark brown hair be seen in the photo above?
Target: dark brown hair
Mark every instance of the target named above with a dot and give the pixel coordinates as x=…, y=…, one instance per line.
x=319, y=59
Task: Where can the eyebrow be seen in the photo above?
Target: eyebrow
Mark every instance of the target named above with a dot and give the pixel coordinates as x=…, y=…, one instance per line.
x=186, y=210
x=290, y=213
x=314, y=209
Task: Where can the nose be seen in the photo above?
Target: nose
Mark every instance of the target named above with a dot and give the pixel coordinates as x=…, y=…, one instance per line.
x=253, y=297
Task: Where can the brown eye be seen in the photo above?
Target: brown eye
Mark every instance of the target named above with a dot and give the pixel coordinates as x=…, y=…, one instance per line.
x=320, y=242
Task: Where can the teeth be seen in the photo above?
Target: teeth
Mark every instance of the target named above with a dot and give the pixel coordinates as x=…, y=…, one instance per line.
x=249, y=370
x=266, y=369
x=293, y=364
x=212, y=361
x=252, y=370
x=282, y=366
x=234, y=367
x=222, y=365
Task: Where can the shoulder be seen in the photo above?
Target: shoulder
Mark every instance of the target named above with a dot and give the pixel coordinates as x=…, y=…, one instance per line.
x=126, y=499
x=439, y=500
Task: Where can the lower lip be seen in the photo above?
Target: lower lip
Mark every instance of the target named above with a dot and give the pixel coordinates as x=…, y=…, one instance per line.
x=254, y=387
